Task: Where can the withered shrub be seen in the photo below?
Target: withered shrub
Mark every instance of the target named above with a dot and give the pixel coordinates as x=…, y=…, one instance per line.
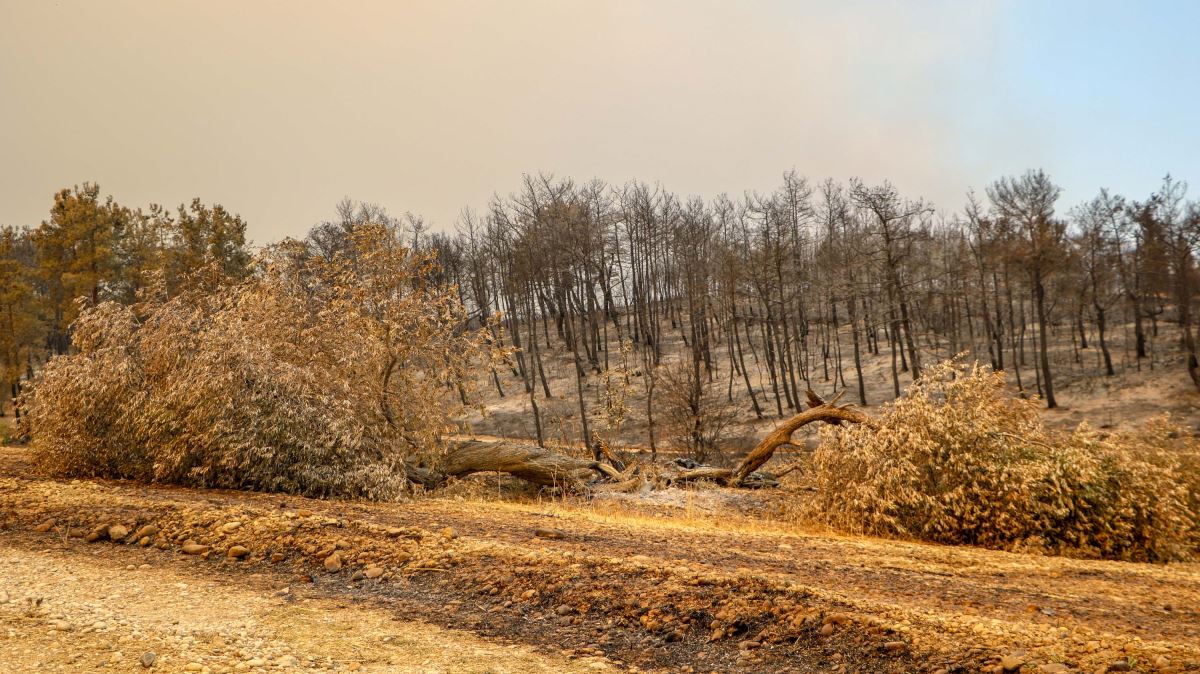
x=695, y=414
x=313, y=376
x=959, y=459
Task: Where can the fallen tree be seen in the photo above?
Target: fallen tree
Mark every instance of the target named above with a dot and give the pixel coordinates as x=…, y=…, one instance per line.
x=529, y=462
x=549, y=468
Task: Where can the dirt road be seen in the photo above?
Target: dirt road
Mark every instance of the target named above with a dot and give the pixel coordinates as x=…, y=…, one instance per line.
x=564, y=587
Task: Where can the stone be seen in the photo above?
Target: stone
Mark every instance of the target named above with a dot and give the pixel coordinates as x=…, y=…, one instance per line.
x=1053, y=668
x=45, y=526
x=837, y=619
x=191, y=548
x=288, y=660
x=827, y=629
x=333, y=563
x=449, y=533
x=230, y=527
x=373, y=572
x=1012, y=662
x=238, y=552
x=193, y=667
x=895, y=647
x=148, y=659
x=147, y=530
x=1120, y=666
x=117, y=533
x=552, y=534
x=357, y=575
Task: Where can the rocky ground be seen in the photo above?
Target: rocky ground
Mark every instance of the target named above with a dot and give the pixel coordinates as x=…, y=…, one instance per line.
x=95, y=575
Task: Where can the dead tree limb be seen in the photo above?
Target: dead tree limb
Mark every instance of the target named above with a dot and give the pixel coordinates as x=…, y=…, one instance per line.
x=548, y=468
x=529, y=462
x=819, y=410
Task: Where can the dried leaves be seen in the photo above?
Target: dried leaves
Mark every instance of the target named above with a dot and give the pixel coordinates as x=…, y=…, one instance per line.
x=313, y=376
x=958, y=459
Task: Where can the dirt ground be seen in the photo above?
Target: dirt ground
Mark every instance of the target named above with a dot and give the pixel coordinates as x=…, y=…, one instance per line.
x=279, y=583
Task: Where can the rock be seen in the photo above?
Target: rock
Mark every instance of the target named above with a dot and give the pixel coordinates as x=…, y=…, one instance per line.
x=837, y=619
x=277, y=557
x=255, y=662
x=563, y=609
x=1012, y=662
x=373, y=572
x=895, y=647
x=826, y=629
x=148, y=659
x=287, y=661
x=97, y=534
x=117, y=533
x=238, y=552
x=553, y=534
x=333, y=563
x=1120, y=666
x=449, y=533
x=45, y=526
x=193, y=667
x=191, y=548
x=230, y=527
x=147, y=530
x=357, y=575
x=1053, y=668
x=304, y=513
x=144, y=541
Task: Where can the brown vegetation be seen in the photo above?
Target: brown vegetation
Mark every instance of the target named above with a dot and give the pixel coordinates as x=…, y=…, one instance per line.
x=960, y=460
x=314, y=376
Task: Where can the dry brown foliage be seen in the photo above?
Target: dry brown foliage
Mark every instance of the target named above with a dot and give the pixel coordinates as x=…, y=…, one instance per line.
x=695, y=413
x=959, y=459
x=313, y=376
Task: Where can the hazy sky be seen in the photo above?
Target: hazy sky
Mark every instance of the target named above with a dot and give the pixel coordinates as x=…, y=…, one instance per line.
x=279, y=109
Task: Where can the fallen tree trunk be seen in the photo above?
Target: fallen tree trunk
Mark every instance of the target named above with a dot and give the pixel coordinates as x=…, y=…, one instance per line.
x=531, y=463
x=544, y=467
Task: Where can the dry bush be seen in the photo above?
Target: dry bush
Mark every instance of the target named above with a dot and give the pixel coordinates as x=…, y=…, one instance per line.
x=960, y=460
x=313, y=376
x=695, y=413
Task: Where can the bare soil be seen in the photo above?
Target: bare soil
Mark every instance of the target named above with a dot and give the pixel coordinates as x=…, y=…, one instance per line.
x=474, y=585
